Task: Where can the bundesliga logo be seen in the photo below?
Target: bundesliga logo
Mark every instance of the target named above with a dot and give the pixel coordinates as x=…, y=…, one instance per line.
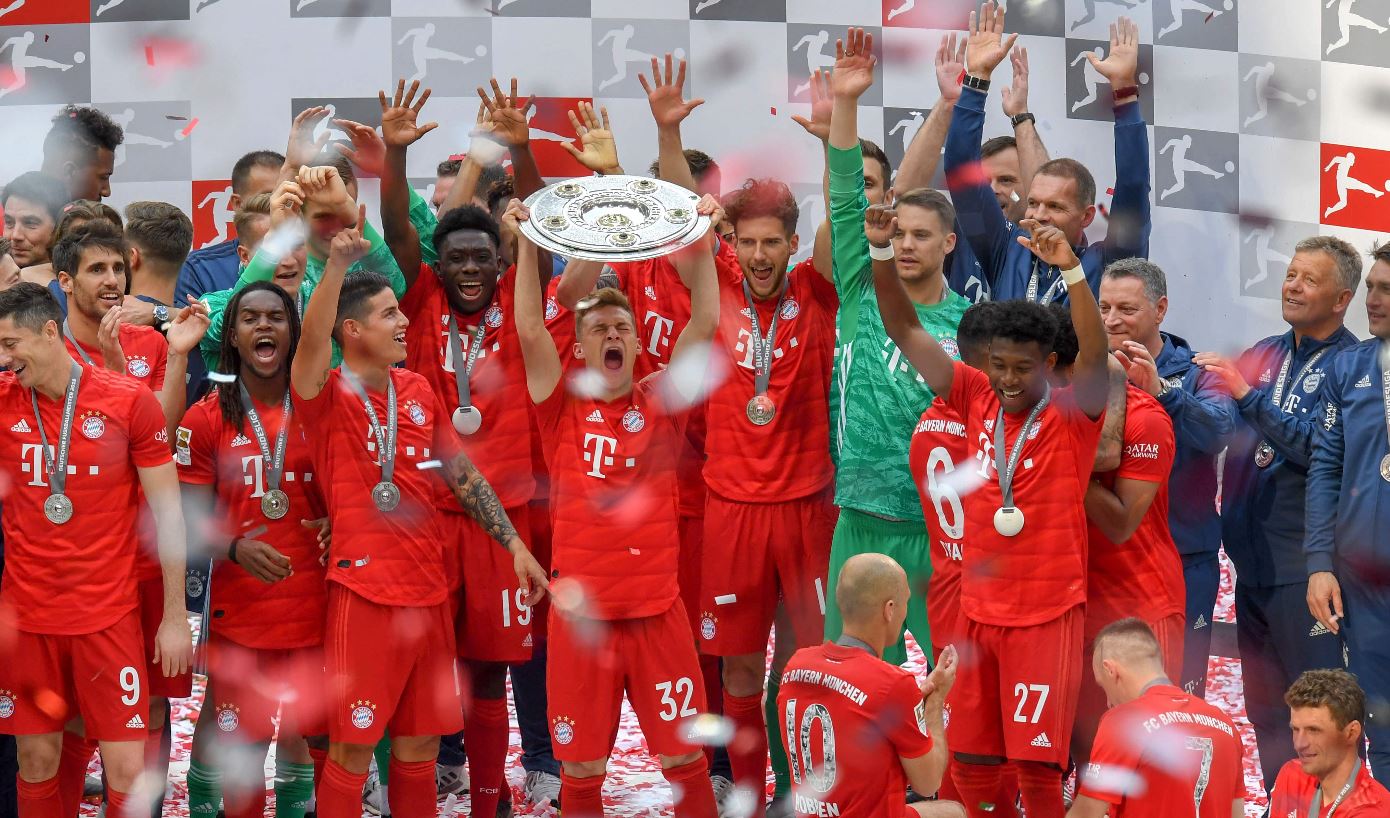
x=790, y=309
x=707, y=626
x=228, y=718
x=493, y=318
x=363, y=714
x=564, y=729
x=93, y=427
x=6, y=704
x=633, y=420
x=139, y=367
x=417, y=414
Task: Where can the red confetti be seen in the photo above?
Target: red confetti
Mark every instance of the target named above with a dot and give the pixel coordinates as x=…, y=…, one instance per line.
x=45, y=38
x=458, y=157
x=1104, y=211
x=1110, y=191
x=774, y=110
x=149, y=55
x=968, y=176
x=1209, y=16
x=189, y=128
x=960, y=79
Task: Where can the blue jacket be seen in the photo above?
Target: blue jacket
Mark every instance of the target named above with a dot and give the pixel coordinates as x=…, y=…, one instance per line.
x=1262, y=513
x=1008, y=265
x=1348, y=506
x=1203, y=415
x=207, y=270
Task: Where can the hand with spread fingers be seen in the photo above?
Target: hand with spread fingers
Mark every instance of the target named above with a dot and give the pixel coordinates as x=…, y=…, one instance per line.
x=600, y=150
x=400, y=127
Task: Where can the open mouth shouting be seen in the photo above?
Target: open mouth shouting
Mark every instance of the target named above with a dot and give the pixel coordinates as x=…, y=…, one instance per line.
x=613, y=357
x=265, y=348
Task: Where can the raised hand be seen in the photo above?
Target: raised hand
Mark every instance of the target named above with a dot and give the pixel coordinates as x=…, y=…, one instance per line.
x=986, y=46
x=286, y=203
x=950, y=63
x=600, y=153
x=665, y=94
x=324, y=185
x=508, y=114
x=821, y=104
x=515, y=214
x=880, y=225
x=1049, y=244
x=1015, y=97
x=109, y=340
x=399, y=115
x=302, y=149
x=367, y=151
x=188, y=327
x=854, y=64
x=350, y=245
x=1121, y=65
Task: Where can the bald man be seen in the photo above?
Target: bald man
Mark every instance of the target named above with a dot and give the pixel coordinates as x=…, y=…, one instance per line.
x=857, y=729
x=1159, y=751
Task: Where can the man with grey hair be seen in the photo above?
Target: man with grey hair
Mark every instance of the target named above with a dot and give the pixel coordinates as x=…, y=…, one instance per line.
x=1265, y=482
x=1133, y=303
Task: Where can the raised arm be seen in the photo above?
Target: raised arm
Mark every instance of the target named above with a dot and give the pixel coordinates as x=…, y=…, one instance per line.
x=1090, y=377
x=400, y=130
x=899, y=314
x=543, y=368
x=665, y=95
x=1032, y=154
x=508, y=114
x=302, y=149
x=599, y=149
x=818, y=125
x=1112, y=431
x=924, y=154
x=173, y=647
x=313, y=359
x=1128, y=234
x=185, y=331
x=695, y=266
x=578, y=280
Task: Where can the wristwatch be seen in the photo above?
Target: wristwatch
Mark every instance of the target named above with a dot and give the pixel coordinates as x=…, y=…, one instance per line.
x=1019, y=119
x=161, y=315
x=978, y=84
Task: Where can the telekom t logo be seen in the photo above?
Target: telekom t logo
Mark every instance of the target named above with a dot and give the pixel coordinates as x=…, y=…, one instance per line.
x=985, y=455
x=659, y=331
x=32, y=454
x=253, y=473
x=600, y=454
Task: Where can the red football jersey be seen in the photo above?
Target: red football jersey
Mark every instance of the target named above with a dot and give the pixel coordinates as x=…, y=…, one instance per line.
x=396, y=557
x=789, y=457
x=210, y=452
x=847, y=717
x=613, y=497
x=938, y=462
x=501, y=448
x=1039, y=574
x=1164, y=753
x=78, y=577
x=1142, y=576
x=1294, y=791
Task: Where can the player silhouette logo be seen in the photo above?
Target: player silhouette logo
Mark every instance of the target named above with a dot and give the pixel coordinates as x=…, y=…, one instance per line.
x=704, y=4
x=1090, y=7
x=1265, y=90
x=421, y=52
x=124, y=119
x=222, y=214
x=21, y=61
x=1347, y=20
x=816, y=58
x=1181, y=165
x=1093, y=78
x=15, y=6
x=1265, y=255
x=908, y=5
x=1346, y=183
x=1179, y=7
x=909, y=125
x=623, y=54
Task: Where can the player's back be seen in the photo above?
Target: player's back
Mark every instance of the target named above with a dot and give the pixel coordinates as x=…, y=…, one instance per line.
x=1164, y=753
x=846, y=716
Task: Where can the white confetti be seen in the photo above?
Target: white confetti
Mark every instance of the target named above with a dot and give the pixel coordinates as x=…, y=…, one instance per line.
x=429, y=464
x=221, y=377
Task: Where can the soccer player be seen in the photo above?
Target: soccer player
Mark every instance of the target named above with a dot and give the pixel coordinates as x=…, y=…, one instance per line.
x=215, y=268
x=1134, y=301
x=1160, y=752
x=380, y=434
x=1035, y=447
x=1264, y=484
x=85, y=443
x=158, y=235
x=80, y=151
x=859, y=729
x=1062, y=193
x=248, y=488
x=33, y=204
x=1348, y=476
x=617, y=623
x=1327, y=713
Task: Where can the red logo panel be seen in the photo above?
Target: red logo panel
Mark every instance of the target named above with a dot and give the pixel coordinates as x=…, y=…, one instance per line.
x=46, y=12
x=946, y=15
x=1355, y=187
x=550, y=127
x=212, y=212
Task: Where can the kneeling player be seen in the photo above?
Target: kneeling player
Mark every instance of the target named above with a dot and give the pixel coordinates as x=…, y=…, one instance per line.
x=240, y=454
x=617, y=625
x=857, y=729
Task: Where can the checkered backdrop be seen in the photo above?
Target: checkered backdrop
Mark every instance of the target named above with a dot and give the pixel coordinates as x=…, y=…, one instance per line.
x=1267, y=115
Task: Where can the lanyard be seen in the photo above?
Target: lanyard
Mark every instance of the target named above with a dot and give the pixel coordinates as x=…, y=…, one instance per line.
x=276, y=460
x=67, y=333
x=762, y=345
x=1315, y=810
x=385, y=443
x=847, y=641
x=1385, y=390
x=1006, y=469
x=456, y=354
x=1034, y=281
x=1279, y=385
x=58, y=472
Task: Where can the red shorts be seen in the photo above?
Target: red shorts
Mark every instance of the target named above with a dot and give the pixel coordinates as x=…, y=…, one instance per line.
x=944, y=613
x=539, y=517
x=692, y=533
x=1171, y=630
x=151, y=592
x=252, y=684
x=754, y=554
x=47, y=680
x=593, y=662
x=1015, y=692
x=493, y=623
x=390, y=666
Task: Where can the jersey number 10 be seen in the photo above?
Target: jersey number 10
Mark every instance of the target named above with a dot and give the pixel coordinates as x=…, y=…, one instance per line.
x=819, y=774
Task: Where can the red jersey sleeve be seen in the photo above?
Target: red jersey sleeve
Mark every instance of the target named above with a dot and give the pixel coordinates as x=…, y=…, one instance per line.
x=1112, y=773
x=159, y=352
x=968, y=385
x=820, y=288
x=149, y=441
x=426, y=282
x=446, y=442
x=909, y=735
x=195, y=445
x=1148, y=445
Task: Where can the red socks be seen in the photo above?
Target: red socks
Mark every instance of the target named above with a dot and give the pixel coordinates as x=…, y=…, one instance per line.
x=582, y=797
x=339, y=793
x=691, y=790
x=320, y=758
x=748, y=750
x=72, y=771
x=1041, y=787
x=486, y=744
x=116, y=803
x=40, y=799
x=412, y=790
x=244, y=801
x=714, y=693
x=979, y=787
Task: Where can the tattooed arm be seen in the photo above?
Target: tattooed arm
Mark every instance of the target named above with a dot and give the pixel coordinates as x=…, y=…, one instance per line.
x=1112, y=432
x=478, y=499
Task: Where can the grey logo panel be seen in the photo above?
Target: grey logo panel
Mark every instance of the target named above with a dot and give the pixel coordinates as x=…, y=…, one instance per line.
x=1356, y=31
x=45, y=64
x=1196, y=24
x=811, y=47
x=537, y=8
x=1197, y=170
x=1279, y=97
x=1089, y=95
x=900, y=126
x=767, y=11
x=451, y=55
x=623, y=49
x=155, y=148
x=338, y=8
x=1266, y=248
x=119, y=11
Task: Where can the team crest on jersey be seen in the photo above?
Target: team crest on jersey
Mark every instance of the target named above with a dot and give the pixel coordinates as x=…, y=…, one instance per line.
x=93, y=425
x=552, y=309
x=790, y=309
x=363, y=714
x=707, y=626
x=228, y=717
x=139, y=367
x=193, y=583
x=493, y=316
x=1035, y=430
x=6, y=704
x=950, y=347
x=633, y=420
x=1311, y=383
x=562, y=727
x=182, y=438
x=416, y=413
x=650, y=291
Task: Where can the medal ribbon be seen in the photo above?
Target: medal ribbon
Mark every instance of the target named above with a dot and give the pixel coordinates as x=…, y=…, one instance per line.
x=58, y=472
x=67, y=333
x=1006, y=469
x=456, y=354
x=1385, y=389
x=1279, y=385
x=1315, y=810
x=276, y=461
x=1034, y=281
x=762, y=345
x=385, y=443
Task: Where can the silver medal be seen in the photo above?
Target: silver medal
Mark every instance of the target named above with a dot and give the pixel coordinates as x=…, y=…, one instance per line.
x=761, y=410
x=1008, y=521
x=1385, y=468
x=1264, y=454
x=467, y=420
x=275, y=504
x=386, y=495
x=57, y=508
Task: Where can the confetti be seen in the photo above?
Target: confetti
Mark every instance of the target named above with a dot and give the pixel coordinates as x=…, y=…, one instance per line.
x=1110, y=191
x=189, y=129
x=221, y=377
x=429, y=464
x=1209, y=16
x=149, y=55
x=458, y=157
x=774, y=110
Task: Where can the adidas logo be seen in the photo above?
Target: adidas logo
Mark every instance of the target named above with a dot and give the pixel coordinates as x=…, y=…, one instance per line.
x=1200, y=623
x=595, y=417
x=1041, y=741
x=1264, y=376
x=1364, y=382
x=526, y=643
x=1318, y=629
x=136, y=723
x=241, y=440
x=21, y=426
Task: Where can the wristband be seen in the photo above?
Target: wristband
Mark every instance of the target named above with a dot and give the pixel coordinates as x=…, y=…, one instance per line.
x=1127, y=91
x=1019, y=119
x=970, y=81
x=231, y=552
x=884, y=253
x=1074, y=276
